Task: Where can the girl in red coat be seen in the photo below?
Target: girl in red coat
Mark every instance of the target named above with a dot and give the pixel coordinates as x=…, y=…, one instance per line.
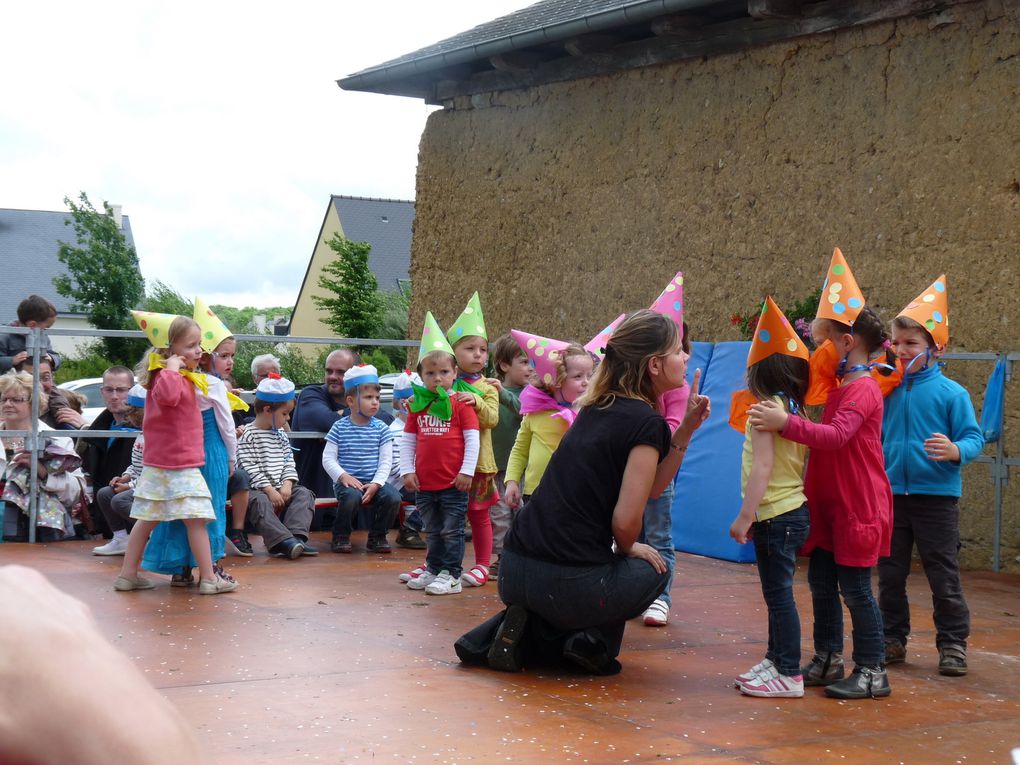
x=851, y=510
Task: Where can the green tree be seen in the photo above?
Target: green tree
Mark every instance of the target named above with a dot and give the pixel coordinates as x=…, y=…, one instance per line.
x=355, y=310
x=160, y=297
x=103, y=280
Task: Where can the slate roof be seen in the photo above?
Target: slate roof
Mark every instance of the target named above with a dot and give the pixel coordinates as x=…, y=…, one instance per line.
x=548, y=21
x=28, y=256
x=386, y=225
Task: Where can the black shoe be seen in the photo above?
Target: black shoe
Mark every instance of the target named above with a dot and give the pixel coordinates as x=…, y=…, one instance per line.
x=823, y=669
x=588, y=651
x=863, y=683
x=378, y=545
x=473, y=646
x=409, y=538
x=953, y=660
x=341, y=544
x=309, y=550
x=240, y=542
x=288, y=548
x=507, y=651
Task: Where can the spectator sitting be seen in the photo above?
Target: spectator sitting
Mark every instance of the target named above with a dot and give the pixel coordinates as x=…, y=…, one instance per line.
x=59, y=414
x=114, y=500
x=318, y=407
x=60, y=477
x=358, y=457
x=34, y=311
x=103, y=459
x=279, y=510
x=262, y=366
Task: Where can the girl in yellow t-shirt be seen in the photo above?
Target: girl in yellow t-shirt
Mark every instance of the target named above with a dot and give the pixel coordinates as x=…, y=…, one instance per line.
x=774, y=513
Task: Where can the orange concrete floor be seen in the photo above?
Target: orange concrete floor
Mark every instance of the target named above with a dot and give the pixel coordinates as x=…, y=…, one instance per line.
x=331, y=660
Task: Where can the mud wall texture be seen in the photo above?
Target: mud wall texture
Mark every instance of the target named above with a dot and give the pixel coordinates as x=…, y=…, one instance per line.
x=567, y=204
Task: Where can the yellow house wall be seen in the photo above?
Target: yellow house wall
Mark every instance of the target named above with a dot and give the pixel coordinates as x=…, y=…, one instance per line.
x=307, y=320
x=568, y=203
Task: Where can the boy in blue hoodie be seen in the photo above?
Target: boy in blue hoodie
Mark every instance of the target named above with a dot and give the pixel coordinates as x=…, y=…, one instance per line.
x=929, y=432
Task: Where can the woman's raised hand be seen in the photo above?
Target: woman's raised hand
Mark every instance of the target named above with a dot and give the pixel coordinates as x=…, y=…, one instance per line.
x=699, y=407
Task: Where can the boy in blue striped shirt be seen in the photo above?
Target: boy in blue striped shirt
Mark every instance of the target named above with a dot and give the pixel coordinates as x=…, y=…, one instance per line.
x=358, y=457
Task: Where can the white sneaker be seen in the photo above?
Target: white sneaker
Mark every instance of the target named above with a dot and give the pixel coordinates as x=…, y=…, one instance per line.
x=765, y=665
x=407, y=576
x=422, y=581
x=657, y=614
x=770, y=684
x=444, y=584
x=116, y=546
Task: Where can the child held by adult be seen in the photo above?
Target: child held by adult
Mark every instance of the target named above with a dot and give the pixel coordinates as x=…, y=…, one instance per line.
x=513, y=370
x=34, y=311
x=848, y=494
x=438, y=457
x=929, y=433
x=470, y=345
x=171, y=486
x=278, y=509
x=358, y=456
x=774, y=513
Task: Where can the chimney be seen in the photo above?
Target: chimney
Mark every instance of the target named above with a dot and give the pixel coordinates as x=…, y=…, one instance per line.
x=118, y=216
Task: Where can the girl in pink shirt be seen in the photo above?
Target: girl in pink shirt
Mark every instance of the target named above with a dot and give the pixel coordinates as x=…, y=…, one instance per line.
x=171, y=486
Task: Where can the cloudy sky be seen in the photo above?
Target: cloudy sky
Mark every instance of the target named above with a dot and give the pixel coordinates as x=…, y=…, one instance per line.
x=217, y=125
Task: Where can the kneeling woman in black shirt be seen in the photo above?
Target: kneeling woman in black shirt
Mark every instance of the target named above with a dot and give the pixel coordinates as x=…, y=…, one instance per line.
x=572, y=572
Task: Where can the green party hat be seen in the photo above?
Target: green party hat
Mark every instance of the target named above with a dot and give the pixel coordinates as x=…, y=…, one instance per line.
x=470, y=323
x=432, y=338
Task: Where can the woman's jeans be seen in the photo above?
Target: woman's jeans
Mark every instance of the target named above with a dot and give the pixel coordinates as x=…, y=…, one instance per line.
x=776, y=543
x=828, y=580
x=657, y=531
x=574, y=598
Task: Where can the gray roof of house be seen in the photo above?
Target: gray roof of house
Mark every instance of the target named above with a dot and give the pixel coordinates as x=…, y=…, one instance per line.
x=386, y=225
x=547, y=21
x=29, y=240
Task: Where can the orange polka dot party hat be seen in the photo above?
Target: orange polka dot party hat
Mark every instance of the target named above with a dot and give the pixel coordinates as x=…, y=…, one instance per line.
x=775, y=334
x=930, y=309
x=842, y=300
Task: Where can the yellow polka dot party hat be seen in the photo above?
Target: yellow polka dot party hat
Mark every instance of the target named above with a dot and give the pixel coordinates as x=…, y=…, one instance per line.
x=543, y=353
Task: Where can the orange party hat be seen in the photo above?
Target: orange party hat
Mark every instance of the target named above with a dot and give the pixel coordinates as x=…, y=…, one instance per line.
x=930, y=309
x=842, y=299
x=775, y=334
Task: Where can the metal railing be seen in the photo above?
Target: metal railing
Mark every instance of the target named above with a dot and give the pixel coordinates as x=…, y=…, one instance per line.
x=999, y=463
x=36, y=437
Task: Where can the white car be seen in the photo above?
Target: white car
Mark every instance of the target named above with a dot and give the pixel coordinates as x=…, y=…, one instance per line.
x=88, y=387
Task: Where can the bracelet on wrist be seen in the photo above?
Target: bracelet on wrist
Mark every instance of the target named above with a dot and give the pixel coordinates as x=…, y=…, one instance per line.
x=680, y=449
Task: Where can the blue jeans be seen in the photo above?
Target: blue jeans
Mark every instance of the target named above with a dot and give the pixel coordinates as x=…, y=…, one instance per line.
x=828, y=580
x=413, y=519
x=384, y=506
x=444, y=513
x=776, y=542
x=657, y=531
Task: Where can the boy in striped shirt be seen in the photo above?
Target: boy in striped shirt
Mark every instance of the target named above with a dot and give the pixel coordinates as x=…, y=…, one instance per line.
x=358, y=458
x=279, y=510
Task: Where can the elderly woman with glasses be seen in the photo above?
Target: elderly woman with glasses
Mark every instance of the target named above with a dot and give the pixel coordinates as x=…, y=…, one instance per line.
x=58, y=468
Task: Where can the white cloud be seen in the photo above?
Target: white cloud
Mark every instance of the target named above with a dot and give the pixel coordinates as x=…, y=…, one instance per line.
x=218, y=126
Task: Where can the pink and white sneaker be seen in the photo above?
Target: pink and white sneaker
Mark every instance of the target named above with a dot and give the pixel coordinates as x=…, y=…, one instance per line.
x=770, y=684
x=475, y=576
x=407, y=576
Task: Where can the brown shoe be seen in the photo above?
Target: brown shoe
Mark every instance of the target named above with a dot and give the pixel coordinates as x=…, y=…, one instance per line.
x=895, y=651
